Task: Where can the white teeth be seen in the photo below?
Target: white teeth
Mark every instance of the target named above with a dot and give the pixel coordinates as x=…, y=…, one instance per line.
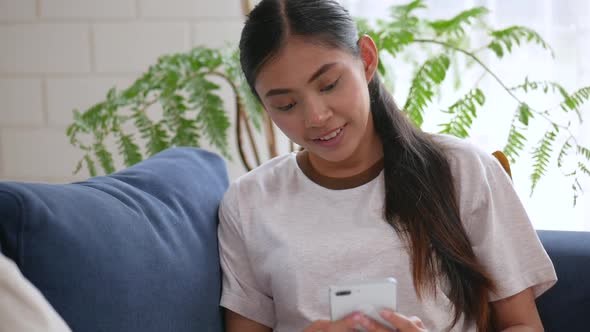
x=330, y=136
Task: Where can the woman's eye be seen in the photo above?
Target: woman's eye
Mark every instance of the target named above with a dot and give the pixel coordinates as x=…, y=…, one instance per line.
x=330, y=86
x=286, y=107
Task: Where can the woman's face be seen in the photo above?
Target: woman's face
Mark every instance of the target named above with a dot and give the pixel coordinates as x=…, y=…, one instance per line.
x=318, y=97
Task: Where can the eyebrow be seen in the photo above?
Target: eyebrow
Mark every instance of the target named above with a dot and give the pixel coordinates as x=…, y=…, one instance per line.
x=313, y=77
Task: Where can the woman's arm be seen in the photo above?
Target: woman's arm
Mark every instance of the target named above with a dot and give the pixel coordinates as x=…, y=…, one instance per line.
x=237, y=323
x=517, y=313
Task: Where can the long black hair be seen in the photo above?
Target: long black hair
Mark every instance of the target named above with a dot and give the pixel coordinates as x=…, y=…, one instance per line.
x=420, y=199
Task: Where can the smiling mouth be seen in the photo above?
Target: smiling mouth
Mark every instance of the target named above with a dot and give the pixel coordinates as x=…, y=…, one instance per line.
x=331, y=135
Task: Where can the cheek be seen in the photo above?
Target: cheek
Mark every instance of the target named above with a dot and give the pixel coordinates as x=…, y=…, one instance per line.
x=288, y=124
x=354, y=100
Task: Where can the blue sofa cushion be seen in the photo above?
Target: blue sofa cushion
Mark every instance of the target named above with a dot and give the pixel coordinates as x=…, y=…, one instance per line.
x=132, y=251
x=566, y=306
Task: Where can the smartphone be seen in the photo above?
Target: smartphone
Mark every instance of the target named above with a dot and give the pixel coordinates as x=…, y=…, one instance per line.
x=368, y=297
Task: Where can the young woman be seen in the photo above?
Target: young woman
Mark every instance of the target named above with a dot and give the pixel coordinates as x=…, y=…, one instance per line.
x=369, y=197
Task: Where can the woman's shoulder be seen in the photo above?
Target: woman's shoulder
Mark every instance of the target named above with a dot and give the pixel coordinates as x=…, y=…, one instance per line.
x=269, y=174
x=462, y=154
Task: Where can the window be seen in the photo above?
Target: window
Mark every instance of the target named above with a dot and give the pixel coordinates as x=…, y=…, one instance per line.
x=565, y=25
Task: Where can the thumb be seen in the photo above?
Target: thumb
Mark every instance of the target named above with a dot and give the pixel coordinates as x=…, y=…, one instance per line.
x=318, y=325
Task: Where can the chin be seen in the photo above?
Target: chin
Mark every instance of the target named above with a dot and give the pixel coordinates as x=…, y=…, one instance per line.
x=332, y=156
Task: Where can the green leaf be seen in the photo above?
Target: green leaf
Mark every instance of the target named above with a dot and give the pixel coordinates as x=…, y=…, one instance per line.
x=215, y=123
x=130, y=151
x=583, y=168
x=524, y=113
x=157, y=139
x=541, y=154
x=187, y=133
x=576, y=100
x=90, y=165
x=455, y=27
x=585, y=152
x=403, y=12
x=503, y=40
x=393, y=41
x=431, y=74
x=104, y=157
x=563, y=152
x=546, y=86
x=464, y=111
x=515, y=143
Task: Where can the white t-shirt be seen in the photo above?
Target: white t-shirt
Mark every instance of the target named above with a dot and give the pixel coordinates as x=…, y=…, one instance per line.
x=22, y=307
x=285, y=239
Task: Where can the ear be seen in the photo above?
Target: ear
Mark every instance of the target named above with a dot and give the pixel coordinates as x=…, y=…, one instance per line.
x=369, y=56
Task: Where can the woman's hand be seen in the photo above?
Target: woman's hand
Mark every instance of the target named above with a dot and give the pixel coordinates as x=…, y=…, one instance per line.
x=346, y=324
x=401, y=322
x=349, y=323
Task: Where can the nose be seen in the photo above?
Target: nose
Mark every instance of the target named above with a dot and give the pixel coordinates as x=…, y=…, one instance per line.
x=316, y=114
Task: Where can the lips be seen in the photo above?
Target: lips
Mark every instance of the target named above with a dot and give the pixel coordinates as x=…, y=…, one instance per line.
x=330, y=135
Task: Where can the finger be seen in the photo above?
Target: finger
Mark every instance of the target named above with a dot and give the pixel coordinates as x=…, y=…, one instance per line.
x=345, y=324
x=372, y=325
x=400, y=321
x=318, y=325
x=417, y=321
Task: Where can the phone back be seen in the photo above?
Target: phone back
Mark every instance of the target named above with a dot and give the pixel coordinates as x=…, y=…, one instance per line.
x=367, y=297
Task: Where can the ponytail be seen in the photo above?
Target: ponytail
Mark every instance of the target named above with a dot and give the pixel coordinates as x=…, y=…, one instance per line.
x=421, y=205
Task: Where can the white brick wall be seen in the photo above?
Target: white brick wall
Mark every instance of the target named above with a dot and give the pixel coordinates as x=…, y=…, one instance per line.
x=132, y=47
x=226, y=31
x=21, y=102
x=68, y=93
x=44, y=48
x=14, y=10
x=190, y=8
x=60, y=55
x=82, y=9
x=37, y=154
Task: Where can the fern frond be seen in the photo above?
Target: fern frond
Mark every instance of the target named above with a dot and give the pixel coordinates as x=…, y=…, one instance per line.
x=130, y=151
x=211, y=116
x=393, y=42
x=186, y=133
x=505, y=39
x=157, y=138
x=585, y=152
x=403, y=12
x=515, y=143
x=90, y=165
x=583, y=168
x=215, y=123
x=431, y=74
x=563, y=152
x=464, y=111
x=546, y=86
x=576, y=100
x=524, y=114
x=104, y=157
x=541, y=155
x=455, y=27
x=576, y=188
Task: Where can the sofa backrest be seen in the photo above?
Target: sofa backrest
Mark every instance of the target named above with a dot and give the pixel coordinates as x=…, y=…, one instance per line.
x=566, y=306
x=132, y=251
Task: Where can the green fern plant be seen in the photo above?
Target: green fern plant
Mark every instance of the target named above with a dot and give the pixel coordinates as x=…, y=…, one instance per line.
x=186, y=88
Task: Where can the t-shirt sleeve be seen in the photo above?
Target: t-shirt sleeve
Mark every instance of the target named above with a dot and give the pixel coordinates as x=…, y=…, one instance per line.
x=240, y=291
x=499, y=229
